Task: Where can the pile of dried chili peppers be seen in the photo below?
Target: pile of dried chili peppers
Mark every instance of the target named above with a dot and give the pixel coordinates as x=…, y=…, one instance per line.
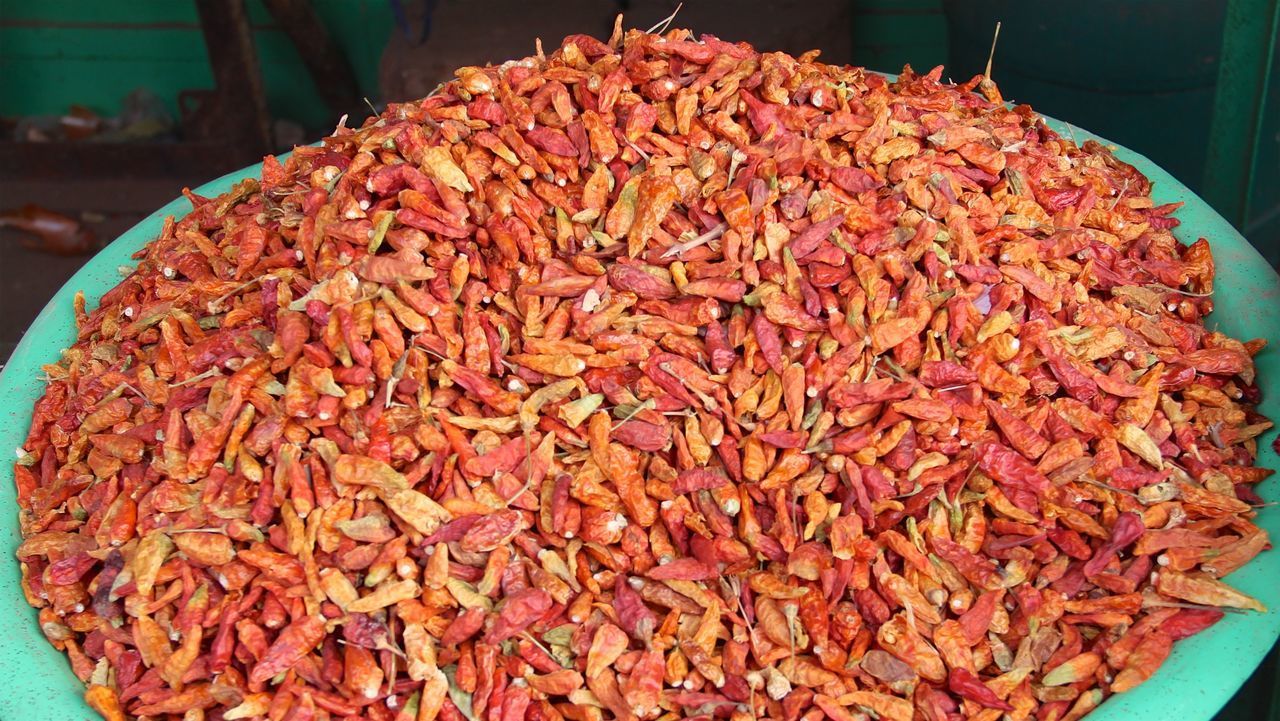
x=656, y=378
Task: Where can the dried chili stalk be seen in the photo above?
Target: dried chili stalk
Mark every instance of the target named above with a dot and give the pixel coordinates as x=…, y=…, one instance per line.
x=654, y=378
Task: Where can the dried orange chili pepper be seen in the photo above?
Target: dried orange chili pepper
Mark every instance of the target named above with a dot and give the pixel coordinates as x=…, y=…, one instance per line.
x=652, y=378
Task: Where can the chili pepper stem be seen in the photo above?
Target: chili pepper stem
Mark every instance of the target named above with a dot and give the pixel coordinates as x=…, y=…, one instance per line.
x=986, y=72
x=661, y=26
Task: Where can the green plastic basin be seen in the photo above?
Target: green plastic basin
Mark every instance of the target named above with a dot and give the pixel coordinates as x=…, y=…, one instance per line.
x=1197, y=680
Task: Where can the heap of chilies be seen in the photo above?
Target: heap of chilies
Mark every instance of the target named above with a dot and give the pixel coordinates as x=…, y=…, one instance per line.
x=656, y=378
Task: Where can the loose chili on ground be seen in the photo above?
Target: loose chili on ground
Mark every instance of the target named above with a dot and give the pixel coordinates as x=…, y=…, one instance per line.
x=654, y=378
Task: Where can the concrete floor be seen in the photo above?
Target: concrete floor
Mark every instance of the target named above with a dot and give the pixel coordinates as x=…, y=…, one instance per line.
x=28, y=279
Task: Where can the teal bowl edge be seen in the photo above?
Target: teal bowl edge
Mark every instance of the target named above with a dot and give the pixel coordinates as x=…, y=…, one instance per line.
x=1197, y=680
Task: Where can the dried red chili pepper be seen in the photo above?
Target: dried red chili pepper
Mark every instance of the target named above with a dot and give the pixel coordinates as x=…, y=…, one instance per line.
x=651, y=378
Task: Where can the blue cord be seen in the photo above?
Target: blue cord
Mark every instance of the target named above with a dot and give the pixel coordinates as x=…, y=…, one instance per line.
x=402, y=19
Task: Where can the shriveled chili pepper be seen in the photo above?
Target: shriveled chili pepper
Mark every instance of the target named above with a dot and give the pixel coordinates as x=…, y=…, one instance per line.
x=653, y=377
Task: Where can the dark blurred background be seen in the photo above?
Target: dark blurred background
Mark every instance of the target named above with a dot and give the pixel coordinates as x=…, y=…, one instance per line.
x=109, y=108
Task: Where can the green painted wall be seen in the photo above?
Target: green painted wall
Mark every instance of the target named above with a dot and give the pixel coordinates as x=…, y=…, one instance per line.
x=888, y=34
x=93, y=52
